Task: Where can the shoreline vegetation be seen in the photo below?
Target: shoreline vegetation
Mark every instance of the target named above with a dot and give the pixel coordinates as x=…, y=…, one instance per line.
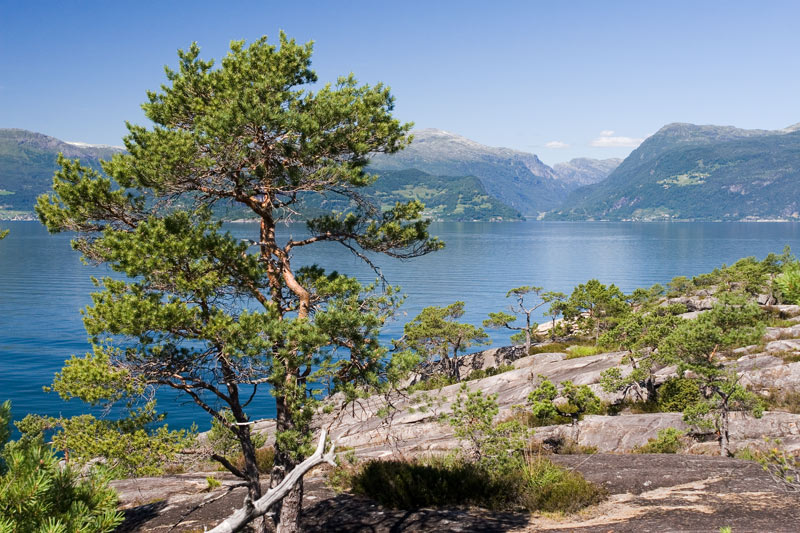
x=677, y=347
x=414, y=423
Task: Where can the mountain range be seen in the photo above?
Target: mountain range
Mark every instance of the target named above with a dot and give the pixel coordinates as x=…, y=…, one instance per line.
x=518, y=179
x=690, y=172
x=682, y=172
x=27, y=163
x=456, y=178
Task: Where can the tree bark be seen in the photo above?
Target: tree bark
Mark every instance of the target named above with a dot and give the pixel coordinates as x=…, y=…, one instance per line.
x=527, y=334
x=291, y=507
x=650, y=385
x=287, y=516
x=724, y=437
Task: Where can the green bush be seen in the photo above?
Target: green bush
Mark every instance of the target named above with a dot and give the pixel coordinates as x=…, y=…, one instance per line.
x=576, y=351
x=423, y=483
x=265, y=458
x=494, y=447
x=789, y=283
x=38, y=495
x=551, y=488
x=579, y=400
x=553, y=347
x=539, y=485
x=669, y=440
x=488, y=372
x=676, y=394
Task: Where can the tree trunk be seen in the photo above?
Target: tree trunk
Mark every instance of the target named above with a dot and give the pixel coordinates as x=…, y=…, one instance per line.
x=724, y=437
x=455, y=372
x=291, y=506
x=652, y=395
x=287, y=515
x=527, y=334
x=262, y=524
x=258, y=508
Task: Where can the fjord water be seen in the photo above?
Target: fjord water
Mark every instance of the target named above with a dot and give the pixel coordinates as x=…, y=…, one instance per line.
x=43, y=285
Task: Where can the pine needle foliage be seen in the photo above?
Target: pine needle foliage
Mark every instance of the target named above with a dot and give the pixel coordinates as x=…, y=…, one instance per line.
x=39, y=495
x=222, y=319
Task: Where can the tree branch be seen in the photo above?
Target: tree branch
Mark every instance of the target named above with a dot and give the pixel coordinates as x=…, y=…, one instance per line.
x=251, y=510
x=227, y=464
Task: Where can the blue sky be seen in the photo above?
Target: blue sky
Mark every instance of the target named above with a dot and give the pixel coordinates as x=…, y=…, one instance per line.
x=560, y=79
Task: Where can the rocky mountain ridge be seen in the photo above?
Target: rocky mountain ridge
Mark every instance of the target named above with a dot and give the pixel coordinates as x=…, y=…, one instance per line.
x=585, y=171
x=518, y=179
x=691, y=172
x=27, y=163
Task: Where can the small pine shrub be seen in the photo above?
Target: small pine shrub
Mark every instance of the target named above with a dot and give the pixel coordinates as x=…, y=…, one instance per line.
x=213, y=483
x=488, y=372
x=434, y=382
x=669, y=440
x=789, y=283
x=638, y=407
x=37, y=494
x=677, y=394
x=747, y=454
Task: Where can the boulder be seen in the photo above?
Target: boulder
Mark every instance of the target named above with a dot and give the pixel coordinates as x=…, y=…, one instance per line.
x=693, y=303
x=786, y=345
x=773, y=334
x=623, y=433
x=773, y=378
x=784, y=311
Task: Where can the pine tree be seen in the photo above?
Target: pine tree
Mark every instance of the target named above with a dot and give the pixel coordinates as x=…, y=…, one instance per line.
x=215, y=317
x=434, y=335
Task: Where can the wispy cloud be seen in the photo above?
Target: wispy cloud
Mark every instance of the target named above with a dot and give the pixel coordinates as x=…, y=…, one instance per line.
x=608, y=140
x=556, y=144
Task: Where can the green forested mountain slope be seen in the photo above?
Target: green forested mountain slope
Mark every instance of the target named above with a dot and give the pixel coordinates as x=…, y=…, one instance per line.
x=690, y=172
x=27, y=162
x=445, y=197
x=459, y=198
x=517, y=179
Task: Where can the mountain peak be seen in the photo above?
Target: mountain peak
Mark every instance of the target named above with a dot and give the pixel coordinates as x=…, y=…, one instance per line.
x=585, y=171
x=519, y=179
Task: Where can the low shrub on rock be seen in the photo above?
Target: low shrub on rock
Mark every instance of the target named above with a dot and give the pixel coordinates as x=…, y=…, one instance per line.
x=538, y=485
x=495, y=469
x=669, y=440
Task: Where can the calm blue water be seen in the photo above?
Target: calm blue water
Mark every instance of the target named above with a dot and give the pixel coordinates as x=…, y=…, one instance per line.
x=43, y=285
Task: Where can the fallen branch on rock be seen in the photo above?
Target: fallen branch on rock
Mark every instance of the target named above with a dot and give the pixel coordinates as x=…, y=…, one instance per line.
x=251, y=510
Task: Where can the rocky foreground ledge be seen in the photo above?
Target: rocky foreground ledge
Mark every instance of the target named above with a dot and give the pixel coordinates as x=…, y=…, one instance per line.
x=658, y=493
x=647, y=492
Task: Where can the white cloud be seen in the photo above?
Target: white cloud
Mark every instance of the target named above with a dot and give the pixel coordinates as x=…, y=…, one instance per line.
x=556, y=144
x=607, y=140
